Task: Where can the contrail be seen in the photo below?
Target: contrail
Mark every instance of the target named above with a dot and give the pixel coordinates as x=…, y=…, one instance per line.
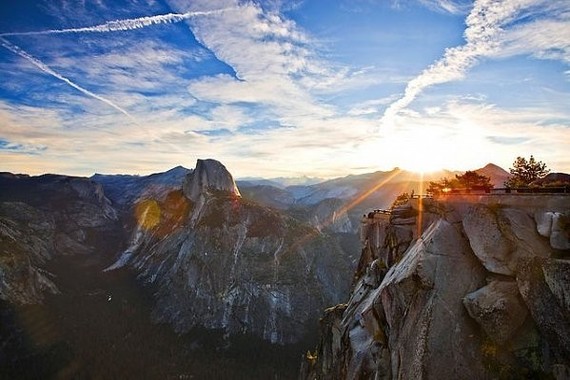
x=43, y=67
x=484, y=28
x=123, y=25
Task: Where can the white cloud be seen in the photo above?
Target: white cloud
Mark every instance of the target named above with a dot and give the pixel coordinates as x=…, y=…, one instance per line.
x=484, y=35
x=278, y=107
x=544, y=39
x=43, y=67
x=371, y=106
x=449, y=6
x=470, y=133
x=269, y=54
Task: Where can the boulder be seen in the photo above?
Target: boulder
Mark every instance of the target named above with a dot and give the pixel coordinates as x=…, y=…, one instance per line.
x=560, y=235
x=502, y=236
x=544, y=222
x=486, y=239
x=498, y=308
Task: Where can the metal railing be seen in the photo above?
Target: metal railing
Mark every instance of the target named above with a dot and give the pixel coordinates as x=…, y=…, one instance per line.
x=508, y=191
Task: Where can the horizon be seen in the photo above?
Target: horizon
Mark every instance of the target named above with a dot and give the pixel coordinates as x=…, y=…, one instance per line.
x=274, y=89
x=429, y=175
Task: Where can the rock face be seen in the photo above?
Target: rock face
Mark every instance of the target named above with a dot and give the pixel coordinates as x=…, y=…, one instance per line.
x=459, y=288
x=221, y=262
x=498, y=308
x=45, y=216
x=208, y=175
x=328, y=215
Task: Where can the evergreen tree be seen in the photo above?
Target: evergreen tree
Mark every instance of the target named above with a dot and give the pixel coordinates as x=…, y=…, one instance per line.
x=524, y=172
x=472, y=180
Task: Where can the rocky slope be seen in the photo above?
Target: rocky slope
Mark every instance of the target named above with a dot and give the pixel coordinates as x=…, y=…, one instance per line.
x=467, y=287
x=221, y=262
x=62, y=316
x=123, y=190
x=44, y=216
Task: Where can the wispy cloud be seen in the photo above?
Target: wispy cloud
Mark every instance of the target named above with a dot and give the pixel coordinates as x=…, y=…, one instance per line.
x=272, y=58
x=43, y=67
x=483, y=36
x=21, y=148
x=544, y=39
x=449, y=6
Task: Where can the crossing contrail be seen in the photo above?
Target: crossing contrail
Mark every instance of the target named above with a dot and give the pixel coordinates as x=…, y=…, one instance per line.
x=46, y=69
x=122, y=25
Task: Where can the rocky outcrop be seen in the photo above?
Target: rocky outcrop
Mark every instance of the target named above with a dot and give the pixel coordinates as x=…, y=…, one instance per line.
x=502, y=237
x=554, y=225
x=26, y=243
x=209, y=175
x=421, y=299
x=466, y=287
x=498, y=308
x=221, y=262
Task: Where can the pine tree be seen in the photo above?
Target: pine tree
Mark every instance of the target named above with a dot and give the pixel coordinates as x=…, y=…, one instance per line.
x=524, y=172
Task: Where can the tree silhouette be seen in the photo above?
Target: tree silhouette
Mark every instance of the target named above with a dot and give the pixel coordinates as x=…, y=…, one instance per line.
x=473, y=180
x=443, y=185
x=470, y=180
x=524, y=172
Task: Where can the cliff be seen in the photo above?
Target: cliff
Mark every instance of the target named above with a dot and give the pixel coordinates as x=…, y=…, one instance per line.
x=45, y=216
x=465, y=287
x=221, y=262
x=208, y=175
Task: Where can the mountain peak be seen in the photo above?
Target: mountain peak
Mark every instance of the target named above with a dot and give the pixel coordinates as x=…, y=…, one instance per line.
x=491, y=166
x=209, y=174
x=497, y=174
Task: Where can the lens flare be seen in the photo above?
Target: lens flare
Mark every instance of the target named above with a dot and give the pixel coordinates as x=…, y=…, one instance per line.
x=147, y=213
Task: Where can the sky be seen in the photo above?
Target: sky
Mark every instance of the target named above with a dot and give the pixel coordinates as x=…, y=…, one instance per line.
x=320, y=88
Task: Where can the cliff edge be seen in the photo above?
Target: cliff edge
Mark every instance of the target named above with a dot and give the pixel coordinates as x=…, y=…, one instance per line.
x=464, y=287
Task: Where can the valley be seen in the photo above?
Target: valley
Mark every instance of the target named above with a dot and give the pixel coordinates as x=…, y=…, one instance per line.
x=187, y=275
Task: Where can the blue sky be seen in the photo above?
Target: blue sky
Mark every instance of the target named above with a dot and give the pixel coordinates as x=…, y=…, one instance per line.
x=282, y=88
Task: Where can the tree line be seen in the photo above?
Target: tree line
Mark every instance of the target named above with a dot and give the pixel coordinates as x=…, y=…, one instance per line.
x=524, y=173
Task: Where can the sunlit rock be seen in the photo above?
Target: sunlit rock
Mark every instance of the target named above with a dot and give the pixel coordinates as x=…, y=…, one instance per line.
x=483, y=230
x=477, y=295
x=430, y=336
x=544, y=222
x=502, y=236
x=207, y=176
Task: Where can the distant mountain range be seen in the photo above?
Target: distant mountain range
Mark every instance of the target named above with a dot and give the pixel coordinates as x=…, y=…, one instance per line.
x=356, y=194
